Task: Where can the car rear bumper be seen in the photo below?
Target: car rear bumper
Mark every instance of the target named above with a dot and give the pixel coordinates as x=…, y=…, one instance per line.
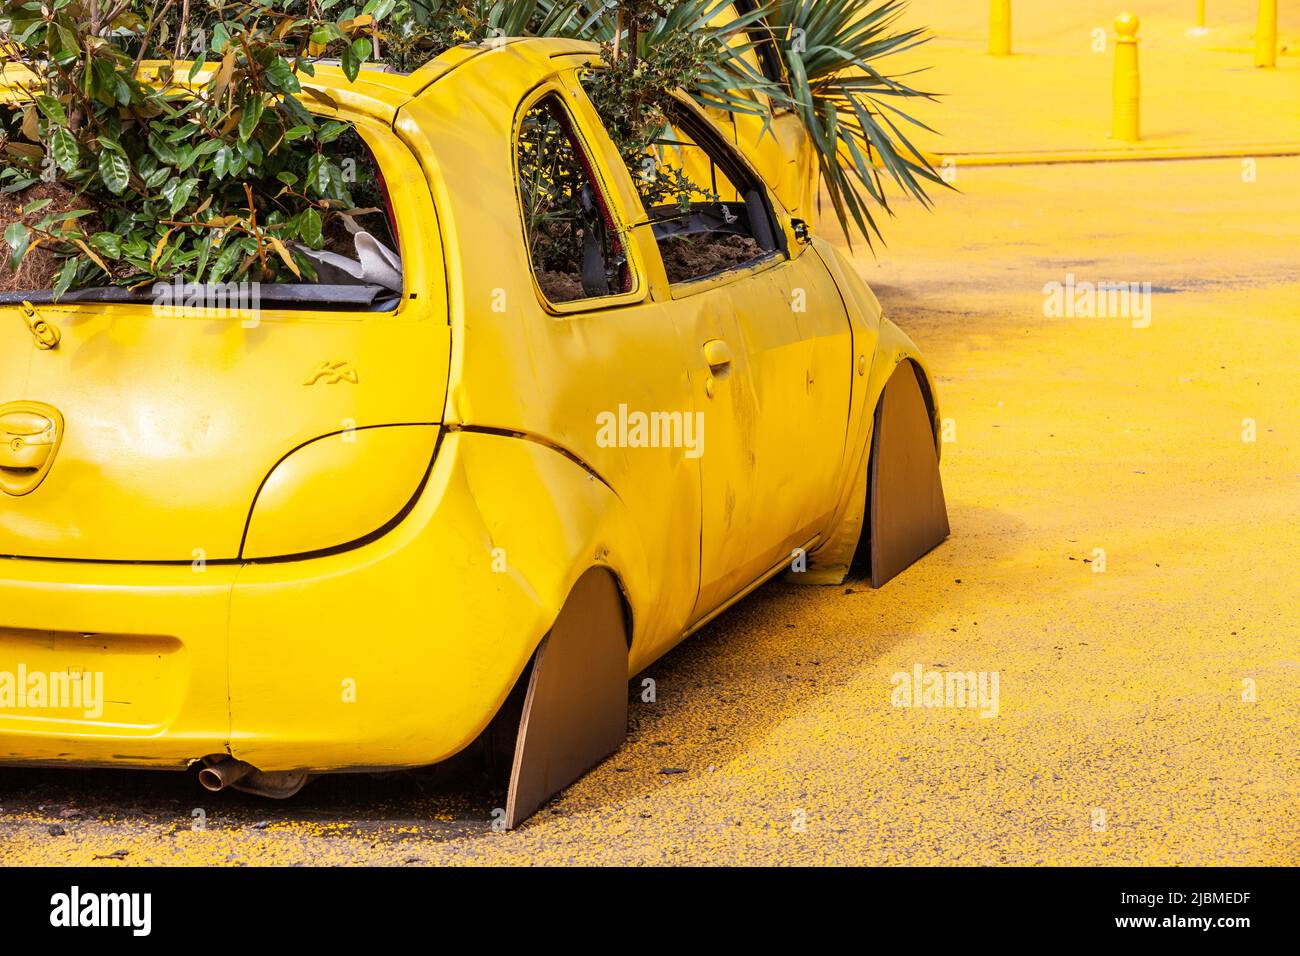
x=394, y=654
x=144, y=651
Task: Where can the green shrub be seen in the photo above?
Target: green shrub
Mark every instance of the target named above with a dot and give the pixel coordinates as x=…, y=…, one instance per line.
x=205, y=171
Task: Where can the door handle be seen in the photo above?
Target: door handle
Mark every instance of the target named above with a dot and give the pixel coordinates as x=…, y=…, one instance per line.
x=718, y=354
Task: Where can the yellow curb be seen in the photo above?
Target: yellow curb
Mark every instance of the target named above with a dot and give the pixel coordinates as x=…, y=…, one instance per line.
x=1138, y=154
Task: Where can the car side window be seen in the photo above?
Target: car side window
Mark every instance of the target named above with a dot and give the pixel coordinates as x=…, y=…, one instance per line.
x=710, y=213
x=573, y=243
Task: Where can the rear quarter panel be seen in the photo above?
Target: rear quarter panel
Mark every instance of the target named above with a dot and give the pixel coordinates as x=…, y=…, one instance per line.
x=520, y=368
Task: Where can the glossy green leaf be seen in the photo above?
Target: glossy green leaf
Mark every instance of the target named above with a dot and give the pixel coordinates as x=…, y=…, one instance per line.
x=64, y=148
x=114, y=170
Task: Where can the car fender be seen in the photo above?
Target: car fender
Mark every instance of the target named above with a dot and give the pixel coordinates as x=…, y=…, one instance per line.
x=400, y=652
x=831, y=561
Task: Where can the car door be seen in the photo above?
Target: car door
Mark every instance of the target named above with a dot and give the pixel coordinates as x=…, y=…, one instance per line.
x=773, y=382
x=768, y=348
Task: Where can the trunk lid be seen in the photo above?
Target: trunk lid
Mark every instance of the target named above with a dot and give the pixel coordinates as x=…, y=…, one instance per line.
x=170, y=423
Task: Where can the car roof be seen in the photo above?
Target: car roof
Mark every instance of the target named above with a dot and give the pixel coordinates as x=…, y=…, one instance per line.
x=377, y=92
x=380, y=92
x=535, y=51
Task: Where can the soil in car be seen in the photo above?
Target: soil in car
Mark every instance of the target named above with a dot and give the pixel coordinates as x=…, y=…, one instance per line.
x=39, y=265
x=685, y=258
x=560, y=286
x=694, y=256
x=557, y=251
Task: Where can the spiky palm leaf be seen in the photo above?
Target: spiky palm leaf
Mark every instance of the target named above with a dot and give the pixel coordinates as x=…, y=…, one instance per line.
x=729, y=83
x=831, y=50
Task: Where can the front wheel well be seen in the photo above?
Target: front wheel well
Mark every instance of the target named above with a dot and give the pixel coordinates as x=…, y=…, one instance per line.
x=931, y=402
x=904, y=514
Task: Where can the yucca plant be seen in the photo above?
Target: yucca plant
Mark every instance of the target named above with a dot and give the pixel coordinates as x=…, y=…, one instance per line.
x=831, y=50
x=640, y=29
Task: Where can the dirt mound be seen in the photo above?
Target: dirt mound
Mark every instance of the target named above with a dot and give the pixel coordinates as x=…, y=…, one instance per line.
x=690, y=257
x=39, y=266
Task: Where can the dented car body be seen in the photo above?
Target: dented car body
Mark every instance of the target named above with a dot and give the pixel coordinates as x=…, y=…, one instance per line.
x=343, y=538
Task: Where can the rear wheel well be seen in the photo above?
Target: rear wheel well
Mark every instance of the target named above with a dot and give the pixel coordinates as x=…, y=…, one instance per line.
x=496, y=744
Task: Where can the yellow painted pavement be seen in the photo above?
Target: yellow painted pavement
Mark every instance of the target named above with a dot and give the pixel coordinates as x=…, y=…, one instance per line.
x=1053, y=94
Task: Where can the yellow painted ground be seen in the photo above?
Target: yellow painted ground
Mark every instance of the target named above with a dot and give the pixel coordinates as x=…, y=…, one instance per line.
x=1121, y=692
x=1054, y=93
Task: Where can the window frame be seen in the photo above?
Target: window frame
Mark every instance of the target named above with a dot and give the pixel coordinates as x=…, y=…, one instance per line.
x=637, y=294
x=741, y=173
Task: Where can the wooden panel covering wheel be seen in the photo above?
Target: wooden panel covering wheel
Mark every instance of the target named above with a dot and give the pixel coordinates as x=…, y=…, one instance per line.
x=908, y=517
x=575, y=711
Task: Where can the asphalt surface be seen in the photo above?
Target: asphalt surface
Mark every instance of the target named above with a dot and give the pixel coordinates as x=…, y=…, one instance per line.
x=1121, y=558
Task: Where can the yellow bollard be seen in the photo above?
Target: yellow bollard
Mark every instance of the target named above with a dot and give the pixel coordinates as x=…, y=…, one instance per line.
x=1128, y=86
x=1000, y=27
x=1266, y=34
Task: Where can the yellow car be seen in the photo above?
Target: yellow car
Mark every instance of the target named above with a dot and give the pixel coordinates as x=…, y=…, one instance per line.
x=457, y=482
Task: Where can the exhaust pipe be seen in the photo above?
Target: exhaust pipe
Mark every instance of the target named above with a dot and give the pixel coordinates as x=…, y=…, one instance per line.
x=224, y=773
x=221, y=771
